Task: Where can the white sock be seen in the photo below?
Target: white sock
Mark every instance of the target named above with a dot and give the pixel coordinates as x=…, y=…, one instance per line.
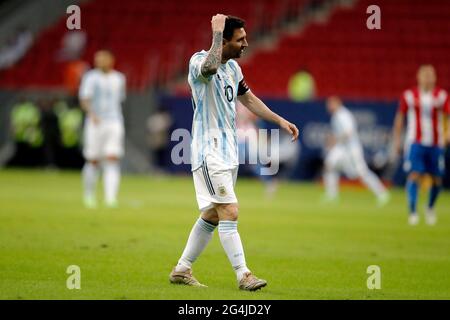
x=200, y=235
x=331, y=180
x=90, y=176
x=111, y=180
x=231, y=242
x=373, y=183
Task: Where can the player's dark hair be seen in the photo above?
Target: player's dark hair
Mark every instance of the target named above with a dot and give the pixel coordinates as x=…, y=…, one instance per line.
x=232, y=23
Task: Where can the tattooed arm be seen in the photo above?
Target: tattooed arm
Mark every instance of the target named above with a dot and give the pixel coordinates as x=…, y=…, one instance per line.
x=214, y=57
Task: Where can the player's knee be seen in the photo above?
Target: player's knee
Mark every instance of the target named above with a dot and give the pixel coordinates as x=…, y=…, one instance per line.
x=437, y=181
x=210, y=216
x=93, y=162
x=414, y=176
x=112, y=158
x=228, y=211
x=329, y=166
x=362, y=172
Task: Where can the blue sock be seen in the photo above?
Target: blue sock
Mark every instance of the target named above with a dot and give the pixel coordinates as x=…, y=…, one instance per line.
x=434, y=192
x=411, y=190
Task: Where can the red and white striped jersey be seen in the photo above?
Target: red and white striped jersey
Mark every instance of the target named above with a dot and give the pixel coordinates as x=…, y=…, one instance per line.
x=425, y=115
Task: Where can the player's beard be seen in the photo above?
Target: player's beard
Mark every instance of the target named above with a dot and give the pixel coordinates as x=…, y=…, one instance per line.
x=240, y=52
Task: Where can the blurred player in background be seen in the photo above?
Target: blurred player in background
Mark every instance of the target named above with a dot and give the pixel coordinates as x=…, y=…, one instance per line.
x=424, y=107
x=102, y=92
x=216, y=82
x=346, y=155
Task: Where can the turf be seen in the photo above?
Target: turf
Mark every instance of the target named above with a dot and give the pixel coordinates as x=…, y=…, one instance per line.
x=304, y=250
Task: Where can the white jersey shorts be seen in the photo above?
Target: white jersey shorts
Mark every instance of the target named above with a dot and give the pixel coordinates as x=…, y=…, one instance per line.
x=103, y=139
x=214, y=183
x=350, y=160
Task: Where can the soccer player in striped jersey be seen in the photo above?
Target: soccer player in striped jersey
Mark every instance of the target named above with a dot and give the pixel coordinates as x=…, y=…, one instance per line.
x=102, y=93
x=425, y=108
x=216, y=81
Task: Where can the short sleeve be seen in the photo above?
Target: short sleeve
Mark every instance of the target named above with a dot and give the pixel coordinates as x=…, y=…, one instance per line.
x=195, y=67
x=403, y=106
x=86, y=87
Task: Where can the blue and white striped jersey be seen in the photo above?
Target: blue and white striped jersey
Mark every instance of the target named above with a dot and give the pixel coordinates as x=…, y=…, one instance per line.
x=214, y=103
x=106, y=91
x=344, y=128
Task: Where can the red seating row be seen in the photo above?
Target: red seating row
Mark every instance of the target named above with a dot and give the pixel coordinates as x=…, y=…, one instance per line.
x=152, y=39
x=348, y=59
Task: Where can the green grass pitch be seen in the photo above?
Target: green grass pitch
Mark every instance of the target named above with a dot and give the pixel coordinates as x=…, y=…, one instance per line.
x=303, y=249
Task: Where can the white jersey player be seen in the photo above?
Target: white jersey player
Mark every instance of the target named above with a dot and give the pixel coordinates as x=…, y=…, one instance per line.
x=216, y=83
x=346, y=155
x=102, y=91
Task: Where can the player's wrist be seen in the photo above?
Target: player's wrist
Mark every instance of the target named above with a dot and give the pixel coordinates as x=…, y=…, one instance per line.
x=280, y=121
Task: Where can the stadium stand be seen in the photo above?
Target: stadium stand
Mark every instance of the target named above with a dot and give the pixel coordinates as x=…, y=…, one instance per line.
x=152, y=47
x=358, y=62
x=152, y=40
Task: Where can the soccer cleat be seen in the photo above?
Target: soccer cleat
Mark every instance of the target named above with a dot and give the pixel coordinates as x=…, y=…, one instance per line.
x=185, y=277
x=430, y=217
x=90, y=202
x=383, y=199
x=112, y=204
x=251, y=283
x=329, y=199
x=271, y=189
x=413, y=219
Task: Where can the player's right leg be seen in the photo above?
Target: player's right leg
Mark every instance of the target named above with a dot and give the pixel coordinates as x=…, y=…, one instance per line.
x=415, y=166
x=412, y=189
x=331, y=174
x=92, y=154
x=90, y=177
x=201, y=234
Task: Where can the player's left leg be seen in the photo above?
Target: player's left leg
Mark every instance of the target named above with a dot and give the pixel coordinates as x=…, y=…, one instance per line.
x=113, y=135
x=434, y=165
x=111, y=180
x=232, y=244
x=435, y=189
x=221, y=181
x=370, y=179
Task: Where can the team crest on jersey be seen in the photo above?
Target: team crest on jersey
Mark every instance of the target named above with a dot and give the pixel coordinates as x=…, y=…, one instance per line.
x=222, y=191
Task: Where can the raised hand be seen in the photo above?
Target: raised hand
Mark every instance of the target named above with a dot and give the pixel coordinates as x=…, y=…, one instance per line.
x=218, y=22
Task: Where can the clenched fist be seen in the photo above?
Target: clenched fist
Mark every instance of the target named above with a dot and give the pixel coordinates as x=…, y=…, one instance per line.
x=218, y=22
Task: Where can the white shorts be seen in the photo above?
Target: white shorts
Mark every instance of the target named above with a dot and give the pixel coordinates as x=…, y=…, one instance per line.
x=214, y=184
x=348, y=160
x=103, y=140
